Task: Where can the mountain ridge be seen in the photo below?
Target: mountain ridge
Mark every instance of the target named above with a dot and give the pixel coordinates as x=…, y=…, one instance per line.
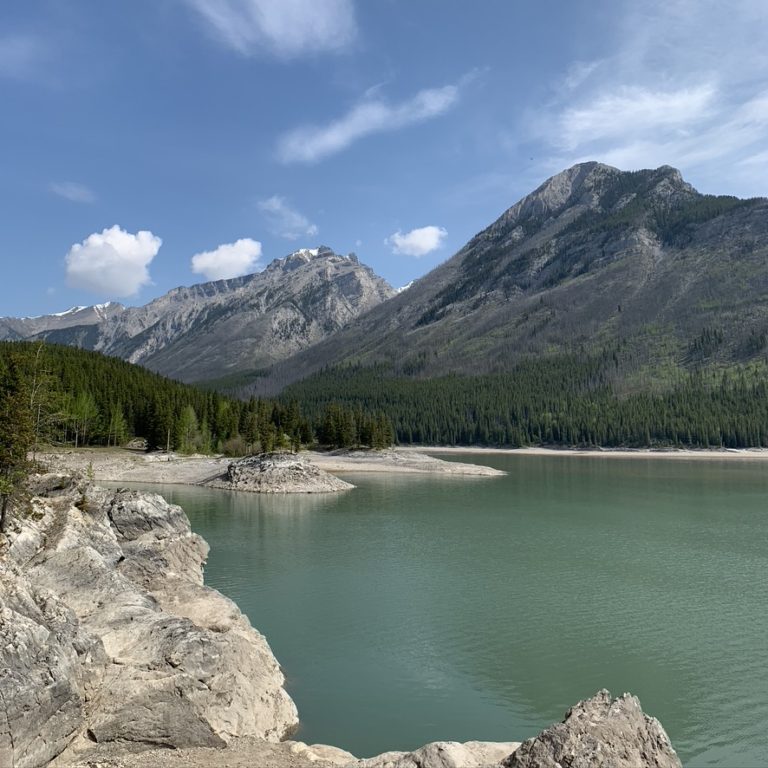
x=194, y=332
x=593, y=258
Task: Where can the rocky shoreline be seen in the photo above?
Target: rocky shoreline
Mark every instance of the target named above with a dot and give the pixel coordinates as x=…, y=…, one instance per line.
x=111, y=647
x=114, y=465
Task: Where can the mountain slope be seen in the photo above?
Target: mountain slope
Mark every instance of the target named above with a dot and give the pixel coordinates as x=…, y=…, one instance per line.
x=218, y=328
x=14, y=328
x=594, y=258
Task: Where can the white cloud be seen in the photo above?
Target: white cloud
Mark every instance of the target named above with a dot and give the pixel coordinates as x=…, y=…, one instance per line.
x=632, y=111
x=228, y=260
x=286, y=221
x=287, y=28
x=113, y=262
x=686, y=85
x=73, y=191
x=311, y=143
x=417, y=242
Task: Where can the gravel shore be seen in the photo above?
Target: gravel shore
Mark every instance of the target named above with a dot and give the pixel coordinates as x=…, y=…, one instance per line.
x=120, y=464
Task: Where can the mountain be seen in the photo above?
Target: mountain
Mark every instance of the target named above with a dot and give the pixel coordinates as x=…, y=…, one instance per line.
x=219, y=328
x=15, y=328
x=594, y=259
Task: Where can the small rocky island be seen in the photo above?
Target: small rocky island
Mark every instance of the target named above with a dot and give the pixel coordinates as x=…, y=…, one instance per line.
x=113, y=653
x=277, y=473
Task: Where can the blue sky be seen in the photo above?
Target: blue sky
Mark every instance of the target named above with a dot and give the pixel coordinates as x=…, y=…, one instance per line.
x=153, y=143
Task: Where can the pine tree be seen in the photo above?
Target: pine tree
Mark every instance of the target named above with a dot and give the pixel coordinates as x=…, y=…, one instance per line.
x=17, y=435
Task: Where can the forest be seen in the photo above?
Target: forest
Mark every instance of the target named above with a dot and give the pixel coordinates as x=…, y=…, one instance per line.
x=563, y=400
x=76, y=397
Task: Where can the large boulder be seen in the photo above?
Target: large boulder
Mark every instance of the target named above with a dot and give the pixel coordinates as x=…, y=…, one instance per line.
x=108, y=633
x=600, y=732
x=278, y=473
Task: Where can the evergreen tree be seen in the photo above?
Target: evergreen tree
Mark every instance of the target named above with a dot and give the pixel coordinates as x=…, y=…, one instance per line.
x=17, y=434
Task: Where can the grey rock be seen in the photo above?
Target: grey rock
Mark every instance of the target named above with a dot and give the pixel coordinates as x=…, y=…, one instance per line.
x=14, y=328
x=444, y=754
x=600, y=732
x=118, y=639
x=278, y=473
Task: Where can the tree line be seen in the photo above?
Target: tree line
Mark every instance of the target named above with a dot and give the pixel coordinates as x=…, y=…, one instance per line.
x=77, y=397
x=566, y=400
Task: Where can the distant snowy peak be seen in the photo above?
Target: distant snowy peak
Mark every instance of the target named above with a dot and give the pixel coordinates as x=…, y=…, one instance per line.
x=101, y=310
x=70, y=311
x=303, y=256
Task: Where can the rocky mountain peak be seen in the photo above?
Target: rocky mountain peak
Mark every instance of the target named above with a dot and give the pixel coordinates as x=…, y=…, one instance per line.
x=565, y=189
x=596, y=186
x=304, y=256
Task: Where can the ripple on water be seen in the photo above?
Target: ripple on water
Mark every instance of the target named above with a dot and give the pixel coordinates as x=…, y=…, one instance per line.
x=415, y=609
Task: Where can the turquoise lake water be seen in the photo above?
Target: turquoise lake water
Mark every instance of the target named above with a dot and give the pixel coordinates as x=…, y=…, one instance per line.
x=413, y=609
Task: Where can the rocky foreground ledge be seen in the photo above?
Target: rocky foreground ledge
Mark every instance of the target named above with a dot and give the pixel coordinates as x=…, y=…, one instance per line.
x=108, y=634
x=111, y=647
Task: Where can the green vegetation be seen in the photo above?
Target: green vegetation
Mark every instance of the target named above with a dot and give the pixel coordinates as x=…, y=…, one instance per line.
x=16, y=432
x=75, y=397
x=566, y=400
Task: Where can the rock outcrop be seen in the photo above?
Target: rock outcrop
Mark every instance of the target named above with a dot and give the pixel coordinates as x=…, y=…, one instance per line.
x=107, y=633
x=278, y=473
x=444, y=754
x=600, y=732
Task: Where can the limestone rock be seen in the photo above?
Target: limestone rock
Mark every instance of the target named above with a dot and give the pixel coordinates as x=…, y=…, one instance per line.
x=47, y=666
x=600, y=732
x=118, y=638
x=278, y=473
x=445, y=754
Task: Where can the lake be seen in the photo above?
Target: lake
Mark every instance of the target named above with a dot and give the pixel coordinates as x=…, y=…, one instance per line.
x=419, y=608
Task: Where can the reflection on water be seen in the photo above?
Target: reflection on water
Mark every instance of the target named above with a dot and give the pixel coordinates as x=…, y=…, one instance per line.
x=414, y=608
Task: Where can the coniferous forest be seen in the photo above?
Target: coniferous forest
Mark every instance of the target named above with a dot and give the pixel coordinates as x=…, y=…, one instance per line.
x=84, y=398
x=560, y=401
x=74, y=397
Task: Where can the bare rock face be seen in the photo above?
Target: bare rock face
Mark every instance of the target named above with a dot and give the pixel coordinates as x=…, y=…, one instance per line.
x=107, y=632
x=445, y=754
x=222, y=327
x=600, y=732
x=278, y=473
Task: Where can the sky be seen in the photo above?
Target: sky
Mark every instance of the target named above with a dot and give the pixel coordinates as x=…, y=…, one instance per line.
x=146, y=144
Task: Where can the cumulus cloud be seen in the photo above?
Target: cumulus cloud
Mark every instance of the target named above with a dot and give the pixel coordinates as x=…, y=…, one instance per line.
x=228, y=260
x=113, y=262
x=72, y=191
x=417, y=242
x=286, y=221
x=286, y=28
x=309, y=144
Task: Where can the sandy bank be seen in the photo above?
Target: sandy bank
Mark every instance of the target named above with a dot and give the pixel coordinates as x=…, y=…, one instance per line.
x=397, y=460
x=117, y=464
x=730, y=454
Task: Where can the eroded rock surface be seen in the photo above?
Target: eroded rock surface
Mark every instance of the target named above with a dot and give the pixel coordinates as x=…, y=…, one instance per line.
x=600, y=732
x=108, y=633
x=445, y=754
x=278, y=473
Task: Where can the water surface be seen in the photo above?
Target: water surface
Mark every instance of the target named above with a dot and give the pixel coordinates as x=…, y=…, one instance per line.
x=421, y=608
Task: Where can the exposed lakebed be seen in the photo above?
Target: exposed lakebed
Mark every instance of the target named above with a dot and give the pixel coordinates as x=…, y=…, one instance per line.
x=418, y=608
